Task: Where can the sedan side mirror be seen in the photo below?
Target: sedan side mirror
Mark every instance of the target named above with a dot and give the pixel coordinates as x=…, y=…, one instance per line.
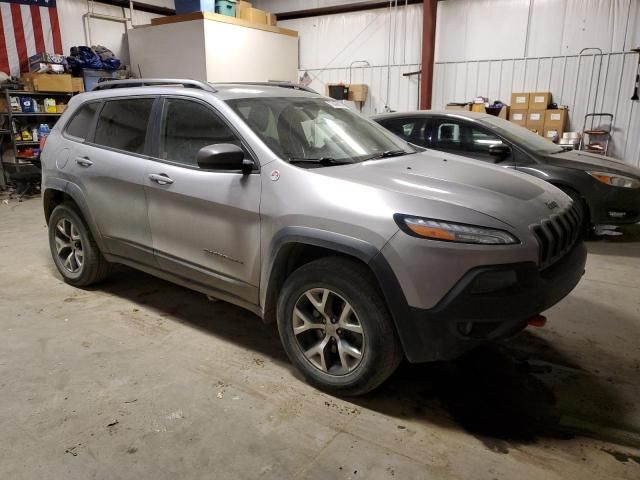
x=500, y=151
x=223, y=156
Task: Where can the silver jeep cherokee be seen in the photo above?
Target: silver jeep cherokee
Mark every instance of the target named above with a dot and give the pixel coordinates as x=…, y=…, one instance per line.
x=282, y=201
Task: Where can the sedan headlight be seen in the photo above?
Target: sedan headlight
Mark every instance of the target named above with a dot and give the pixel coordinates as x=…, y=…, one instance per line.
x=452, y=232
x=615, y=180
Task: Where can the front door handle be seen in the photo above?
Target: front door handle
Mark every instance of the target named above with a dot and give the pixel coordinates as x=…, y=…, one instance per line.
x=160, y=178
x=84, y=161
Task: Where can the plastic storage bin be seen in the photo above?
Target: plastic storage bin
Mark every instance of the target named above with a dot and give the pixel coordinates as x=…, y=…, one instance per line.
x=190, y=6
x=226, y=7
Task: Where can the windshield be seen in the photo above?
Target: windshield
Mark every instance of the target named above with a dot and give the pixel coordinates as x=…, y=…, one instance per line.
x=317, y=131
x=521, y=136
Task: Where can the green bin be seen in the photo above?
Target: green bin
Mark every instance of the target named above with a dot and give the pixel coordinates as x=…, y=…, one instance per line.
x=226, y=7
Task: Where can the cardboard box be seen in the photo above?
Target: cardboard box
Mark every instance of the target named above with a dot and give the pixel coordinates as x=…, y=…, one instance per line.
x=552, y=134
x=556, y=118
x=458, y=106
x=478, y=107
x=518, y=116
x=357, y=92
x=46, y=67
x=3, y=105
x=539, y=100
x=255, y=15
x=272, y=19
x=535, y=120
x=241, y=8
x=60, y=108
x=44, y=82
x=539, y=131
x=520, y=101
x=77, y=84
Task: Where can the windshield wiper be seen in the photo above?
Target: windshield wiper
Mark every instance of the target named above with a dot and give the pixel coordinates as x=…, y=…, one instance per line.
x=388, y=153
x=321, y=161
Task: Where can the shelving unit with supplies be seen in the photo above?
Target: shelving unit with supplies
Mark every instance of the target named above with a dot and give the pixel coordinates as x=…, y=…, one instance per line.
x=12, y=122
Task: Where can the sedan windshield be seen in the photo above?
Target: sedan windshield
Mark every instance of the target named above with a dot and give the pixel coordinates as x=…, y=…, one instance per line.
x=317, y=131
x=521, y=136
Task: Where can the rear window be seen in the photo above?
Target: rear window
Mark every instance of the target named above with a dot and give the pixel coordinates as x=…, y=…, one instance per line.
x=123, y=124
x=81, y=122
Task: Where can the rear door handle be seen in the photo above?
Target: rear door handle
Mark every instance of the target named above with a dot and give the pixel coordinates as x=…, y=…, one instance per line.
x=160, y=178
x=84, y=161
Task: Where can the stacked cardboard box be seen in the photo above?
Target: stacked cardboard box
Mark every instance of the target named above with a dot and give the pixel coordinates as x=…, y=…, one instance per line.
x=245, y=11
x=530, y=110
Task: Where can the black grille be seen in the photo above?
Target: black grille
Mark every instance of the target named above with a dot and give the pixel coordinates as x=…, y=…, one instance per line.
x=557, y=234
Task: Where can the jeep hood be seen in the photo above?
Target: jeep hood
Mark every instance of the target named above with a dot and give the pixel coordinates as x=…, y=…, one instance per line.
x=511, y=197
x=591, y=161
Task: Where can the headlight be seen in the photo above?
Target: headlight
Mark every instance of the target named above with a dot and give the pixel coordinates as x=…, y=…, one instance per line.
x=615, y=180
x=452, y=232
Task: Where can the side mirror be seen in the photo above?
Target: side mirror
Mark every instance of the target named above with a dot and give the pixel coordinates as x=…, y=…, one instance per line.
x=500, y=151
x=222, y=156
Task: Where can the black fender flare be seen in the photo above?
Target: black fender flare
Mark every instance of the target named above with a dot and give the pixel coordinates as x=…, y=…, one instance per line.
x=359, y=249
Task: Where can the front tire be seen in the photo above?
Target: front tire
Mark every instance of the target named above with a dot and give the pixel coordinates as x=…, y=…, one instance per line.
x=335, y=327
x=73, y=248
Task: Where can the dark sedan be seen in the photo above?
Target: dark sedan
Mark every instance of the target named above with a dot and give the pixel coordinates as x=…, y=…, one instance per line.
x=607, y=189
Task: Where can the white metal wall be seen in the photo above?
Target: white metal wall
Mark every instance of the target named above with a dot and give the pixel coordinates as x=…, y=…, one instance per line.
x=484, y=47
x=74, y=29
x=389, y=40
x=494, y=47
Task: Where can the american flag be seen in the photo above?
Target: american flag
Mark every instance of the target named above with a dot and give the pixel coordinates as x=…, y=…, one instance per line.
x=27, y=27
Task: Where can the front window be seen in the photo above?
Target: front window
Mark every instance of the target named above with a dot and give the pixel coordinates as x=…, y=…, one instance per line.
x=521, y=136
x=316, y=130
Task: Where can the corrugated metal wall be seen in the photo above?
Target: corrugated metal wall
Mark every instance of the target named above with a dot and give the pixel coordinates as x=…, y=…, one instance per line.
x=389, y=40
x=484, y=47
x=494, y=47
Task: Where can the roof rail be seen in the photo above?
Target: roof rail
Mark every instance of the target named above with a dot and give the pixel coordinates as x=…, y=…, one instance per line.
x=157, y=82
x=291, y=85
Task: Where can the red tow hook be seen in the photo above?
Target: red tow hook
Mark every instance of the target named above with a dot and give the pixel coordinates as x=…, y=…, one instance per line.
x=537, y=321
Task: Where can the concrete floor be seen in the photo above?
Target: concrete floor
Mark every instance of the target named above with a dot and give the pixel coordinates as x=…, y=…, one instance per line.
x=138, y=378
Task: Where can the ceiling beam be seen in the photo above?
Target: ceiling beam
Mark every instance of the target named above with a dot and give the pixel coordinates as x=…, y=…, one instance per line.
x=337, y=9
x=140, y=6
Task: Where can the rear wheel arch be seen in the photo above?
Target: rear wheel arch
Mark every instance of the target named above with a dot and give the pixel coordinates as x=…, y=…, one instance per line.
x=52, y=197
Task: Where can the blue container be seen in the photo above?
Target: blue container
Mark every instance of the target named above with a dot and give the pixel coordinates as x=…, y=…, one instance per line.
x=226, y=7
x=190, y=6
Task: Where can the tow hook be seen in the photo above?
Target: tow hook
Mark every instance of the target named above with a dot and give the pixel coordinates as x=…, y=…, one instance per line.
x=537, y=321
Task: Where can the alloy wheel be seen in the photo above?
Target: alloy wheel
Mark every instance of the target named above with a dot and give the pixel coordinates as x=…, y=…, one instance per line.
x=69, y=245
x=328, y=331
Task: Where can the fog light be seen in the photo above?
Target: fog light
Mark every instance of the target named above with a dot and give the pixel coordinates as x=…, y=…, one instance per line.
x=465, y=328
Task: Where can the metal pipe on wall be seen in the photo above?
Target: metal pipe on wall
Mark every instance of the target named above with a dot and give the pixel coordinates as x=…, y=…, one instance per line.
x=429, y=11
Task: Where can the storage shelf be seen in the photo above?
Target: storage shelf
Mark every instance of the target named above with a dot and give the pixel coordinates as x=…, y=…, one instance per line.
x=36, y=114
x=27, y=142
x=39, y=94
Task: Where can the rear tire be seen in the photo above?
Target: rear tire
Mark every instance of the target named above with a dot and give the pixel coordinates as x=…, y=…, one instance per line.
x=73, y=248
x=344, y=340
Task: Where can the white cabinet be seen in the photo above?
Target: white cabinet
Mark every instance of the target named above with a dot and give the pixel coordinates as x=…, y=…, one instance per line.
x=213, y=48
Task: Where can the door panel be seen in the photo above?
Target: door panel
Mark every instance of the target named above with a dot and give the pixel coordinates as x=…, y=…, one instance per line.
x=467, y=139
x=205, y=224
x=113, y=182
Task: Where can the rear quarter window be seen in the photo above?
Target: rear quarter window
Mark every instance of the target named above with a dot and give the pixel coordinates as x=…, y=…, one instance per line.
x=80, y=124
x=122, y=124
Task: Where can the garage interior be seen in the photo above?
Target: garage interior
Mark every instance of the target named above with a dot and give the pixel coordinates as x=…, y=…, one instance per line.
x=137, y=377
